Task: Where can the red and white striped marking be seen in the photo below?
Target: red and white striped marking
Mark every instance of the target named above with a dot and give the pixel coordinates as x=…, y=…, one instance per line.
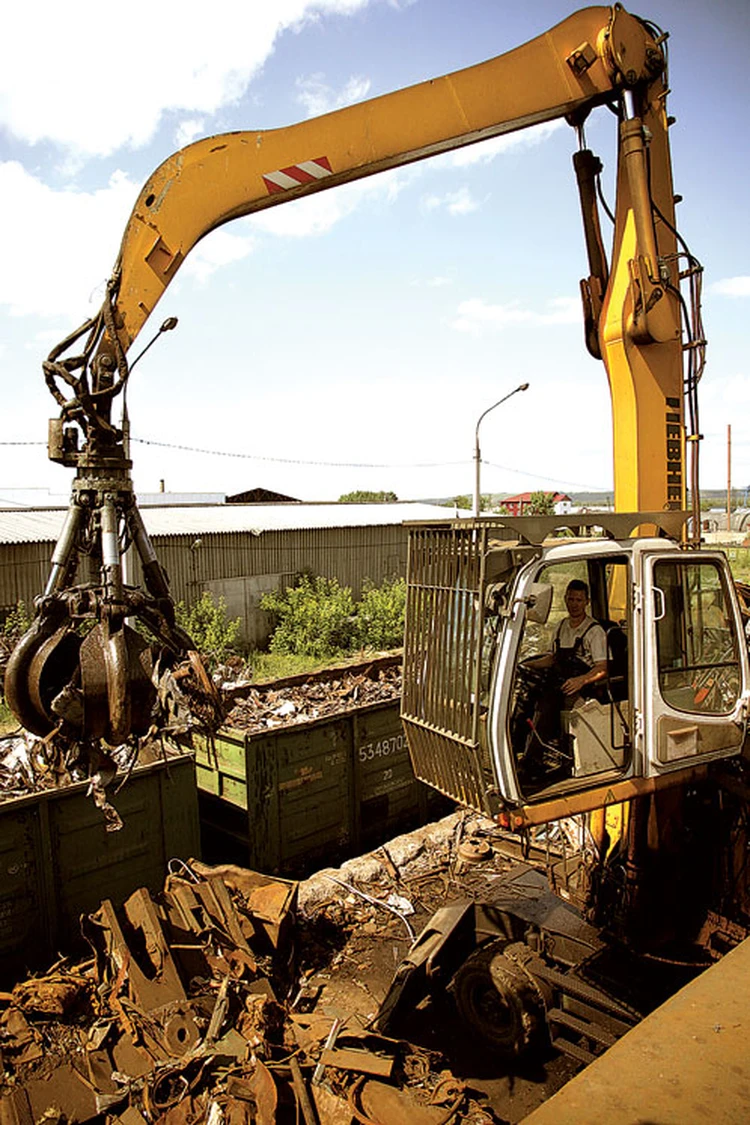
x=297, y=174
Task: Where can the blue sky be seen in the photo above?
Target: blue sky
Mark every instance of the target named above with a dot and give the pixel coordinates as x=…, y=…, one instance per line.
x=349, y=340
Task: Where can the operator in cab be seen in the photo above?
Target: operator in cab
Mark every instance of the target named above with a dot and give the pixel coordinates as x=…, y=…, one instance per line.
x=577, y=662
x=579, y=654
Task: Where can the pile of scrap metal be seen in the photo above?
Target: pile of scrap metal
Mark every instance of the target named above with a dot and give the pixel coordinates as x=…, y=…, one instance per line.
x=33, y=765
x=193, y=1008
x=300, y=700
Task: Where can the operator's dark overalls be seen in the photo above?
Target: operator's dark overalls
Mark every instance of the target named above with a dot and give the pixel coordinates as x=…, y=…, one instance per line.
x=545, y=726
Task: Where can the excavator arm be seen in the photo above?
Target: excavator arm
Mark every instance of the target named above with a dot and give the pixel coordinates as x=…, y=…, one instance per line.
x=98, y=688
x=582, y=62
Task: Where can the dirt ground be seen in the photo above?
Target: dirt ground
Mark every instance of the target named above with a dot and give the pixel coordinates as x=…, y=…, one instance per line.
x=351, y=949
x=186, y=1013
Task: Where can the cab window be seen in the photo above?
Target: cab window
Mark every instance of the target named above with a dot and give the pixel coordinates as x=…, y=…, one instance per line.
x=698, y=661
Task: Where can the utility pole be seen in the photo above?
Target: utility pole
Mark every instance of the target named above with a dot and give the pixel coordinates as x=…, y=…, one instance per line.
x=729, y=477
x=477, y=454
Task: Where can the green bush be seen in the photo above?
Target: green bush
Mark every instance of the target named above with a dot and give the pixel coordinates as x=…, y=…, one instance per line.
x=16, y=623
x=319, y=618
x=380, y=614
x=315, y=617
x=206, y=623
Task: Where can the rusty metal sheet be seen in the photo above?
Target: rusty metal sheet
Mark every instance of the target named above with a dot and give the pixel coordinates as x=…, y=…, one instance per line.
x=388, y=1105
x=66, y=1090
x=15, y=1109
x=20, y=1039
x=218, y=904
x=264, y=1094
x=238, y=1112
x=239, y=1087
x=160, y=984
x=271, y=901
x=130, y=1059
x=99, y=1067
x=331, y=1109
x=183, y=907
x=131, y=1116
x=353, y=1058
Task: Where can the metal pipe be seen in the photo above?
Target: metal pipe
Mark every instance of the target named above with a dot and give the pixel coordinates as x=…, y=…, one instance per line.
x=112, y=569
x=64, y=548
x=153, y=572
x=319, y=1071
x=300, y=1089
x=633, y=144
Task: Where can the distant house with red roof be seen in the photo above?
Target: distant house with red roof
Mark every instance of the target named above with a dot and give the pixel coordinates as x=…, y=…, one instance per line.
x=518, y=505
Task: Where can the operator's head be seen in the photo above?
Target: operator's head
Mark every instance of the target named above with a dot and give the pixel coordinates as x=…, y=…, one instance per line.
x=576, y=597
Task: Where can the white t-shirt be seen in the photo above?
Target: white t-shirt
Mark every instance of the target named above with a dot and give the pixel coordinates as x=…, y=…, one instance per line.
x=594, y=645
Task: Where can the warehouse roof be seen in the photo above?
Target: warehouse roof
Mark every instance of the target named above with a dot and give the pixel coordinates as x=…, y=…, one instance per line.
x=21, y=498
x=44, y=525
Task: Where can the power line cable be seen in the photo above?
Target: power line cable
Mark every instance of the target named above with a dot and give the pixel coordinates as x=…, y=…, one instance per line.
x=298, y=461
x=343, y=464
x=551, y=480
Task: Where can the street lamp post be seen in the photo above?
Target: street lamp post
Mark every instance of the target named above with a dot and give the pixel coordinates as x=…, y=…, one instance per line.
x=477, y=455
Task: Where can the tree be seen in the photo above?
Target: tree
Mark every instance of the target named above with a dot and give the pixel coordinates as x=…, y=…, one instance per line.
x=364, y=497
x=463, y=502
x=541, y=504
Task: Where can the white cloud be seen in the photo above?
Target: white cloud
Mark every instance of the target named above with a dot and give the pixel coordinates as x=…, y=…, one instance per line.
x=217, y=249
x=93, y=82
x=318, y=98
x=460, y=202
x=187, y=131
x=732, y=287
x=562, y=310
x=436, y=282
x=76, y=238
x=80, y=233
x=477, y=316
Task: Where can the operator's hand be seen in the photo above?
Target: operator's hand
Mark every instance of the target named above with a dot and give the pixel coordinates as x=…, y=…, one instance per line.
x=573, y=685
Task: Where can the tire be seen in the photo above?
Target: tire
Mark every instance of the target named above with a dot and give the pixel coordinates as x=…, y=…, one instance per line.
x=499, y=1000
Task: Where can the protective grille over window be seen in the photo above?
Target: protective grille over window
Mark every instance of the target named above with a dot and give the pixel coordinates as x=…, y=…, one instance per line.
x=442, y=662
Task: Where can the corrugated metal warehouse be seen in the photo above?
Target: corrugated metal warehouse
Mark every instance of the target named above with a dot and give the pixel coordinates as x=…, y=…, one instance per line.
x=237, y=551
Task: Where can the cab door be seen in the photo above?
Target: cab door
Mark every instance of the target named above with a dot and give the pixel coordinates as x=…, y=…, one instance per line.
x=544, y=745
x=694, y=662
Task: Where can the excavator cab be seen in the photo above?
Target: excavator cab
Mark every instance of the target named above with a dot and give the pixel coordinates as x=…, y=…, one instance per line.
x=491, y=729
